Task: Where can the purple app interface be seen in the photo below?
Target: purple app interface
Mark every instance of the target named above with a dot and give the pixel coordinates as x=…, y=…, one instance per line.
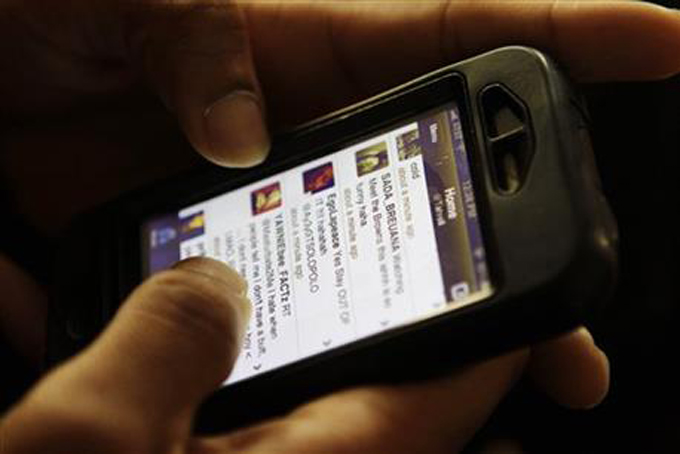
x=377, y=235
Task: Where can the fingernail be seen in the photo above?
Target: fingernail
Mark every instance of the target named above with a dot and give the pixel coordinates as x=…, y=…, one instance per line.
x=585, y=332
x=236, y=130
x=215, y=269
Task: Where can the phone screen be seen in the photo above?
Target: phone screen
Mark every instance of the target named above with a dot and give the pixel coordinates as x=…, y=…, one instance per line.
x=379, y=234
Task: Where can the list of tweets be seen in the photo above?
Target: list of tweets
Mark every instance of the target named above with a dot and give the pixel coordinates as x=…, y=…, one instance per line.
x=333, y=251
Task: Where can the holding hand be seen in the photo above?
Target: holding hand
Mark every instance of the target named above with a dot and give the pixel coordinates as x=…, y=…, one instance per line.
x=175, y=339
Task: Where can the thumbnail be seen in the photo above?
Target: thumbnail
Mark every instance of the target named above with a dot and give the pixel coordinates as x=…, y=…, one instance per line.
x=408, y=145
x=266, y=198
x=191, y=226
x=319, y=178
x=372, y=158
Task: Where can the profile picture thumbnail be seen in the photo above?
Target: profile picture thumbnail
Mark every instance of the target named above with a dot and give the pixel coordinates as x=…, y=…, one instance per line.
x=319, y=178
x=161, y=236
x=372, y=158
x=192, y=226
x=408, y=145
x=266, y=198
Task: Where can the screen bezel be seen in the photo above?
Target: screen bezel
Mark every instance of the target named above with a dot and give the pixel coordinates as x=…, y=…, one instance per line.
x=312, y=141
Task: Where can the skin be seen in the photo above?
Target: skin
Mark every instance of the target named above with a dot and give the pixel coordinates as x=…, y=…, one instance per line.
x=94, y=97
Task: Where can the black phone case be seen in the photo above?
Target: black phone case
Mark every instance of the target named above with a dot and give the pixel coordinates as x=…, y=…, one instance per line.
x=549, y=234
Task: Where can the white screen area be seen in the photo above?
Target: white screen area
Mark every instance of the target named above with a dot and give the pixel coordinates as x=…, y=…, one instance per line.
x=341, y=247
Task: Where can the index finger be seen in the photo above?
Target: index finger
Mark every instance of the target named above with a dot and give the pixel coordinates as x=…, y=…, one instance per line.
x=314, y=57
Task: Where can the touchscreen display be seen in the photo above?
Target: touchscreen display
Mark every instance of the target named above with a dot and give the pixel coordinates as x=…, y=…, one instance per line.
x=373, y=236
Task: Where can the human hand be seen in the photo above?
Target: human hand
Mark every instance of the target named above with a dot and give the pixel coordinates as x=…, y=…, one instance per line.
x=311, y=57
x=62, y=151
x=137, y=387
x=194, y=55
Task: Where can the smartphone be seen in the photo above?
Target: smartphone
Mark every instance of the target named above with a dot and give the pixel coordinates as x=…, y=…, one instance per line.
x=454, y=217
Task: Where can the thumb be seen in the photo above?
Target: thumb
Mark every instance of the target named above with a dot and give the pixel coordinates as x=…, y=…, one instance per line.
x=175, y=339
x=172, y=342
x=197, y=56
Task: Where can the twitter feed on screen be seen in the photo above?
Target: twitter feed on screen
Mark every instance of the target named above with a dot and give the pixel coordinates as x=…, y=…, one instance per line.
x=373, y=236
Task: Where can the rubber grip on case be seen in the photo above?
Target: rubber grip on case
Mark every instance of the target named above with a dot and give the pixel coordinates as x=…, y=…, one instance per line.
x=506, y=125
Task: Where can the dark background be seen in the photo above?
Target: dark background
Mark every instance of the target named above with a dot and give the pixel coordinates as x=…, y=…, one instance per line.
x=636, y=137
